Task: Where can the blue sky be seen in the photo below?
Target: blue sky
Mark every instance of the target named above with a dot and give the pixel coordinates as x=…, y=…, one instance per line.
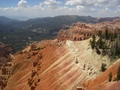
x=44, y=8
x=9, y=3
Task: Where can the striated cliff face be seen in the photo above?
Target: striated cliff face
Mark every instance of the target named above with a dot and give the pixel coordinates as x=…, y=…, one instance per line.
x=69, y=65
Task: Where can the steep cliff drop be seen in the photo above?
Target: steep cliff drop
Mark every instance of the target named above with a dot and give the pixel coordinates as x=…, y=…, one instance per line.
x=5, y=64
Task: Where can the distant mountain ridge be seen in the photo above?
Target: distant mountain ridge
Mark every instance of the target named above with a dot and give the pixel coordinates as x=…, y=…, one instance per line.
x=51, y=23
x=19, y=33
x=107, y=19
x=6, y=20
x=64, y=19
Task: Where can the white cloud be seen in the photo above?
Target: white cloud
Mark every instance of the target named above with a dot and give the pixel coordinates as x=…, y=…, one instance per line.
x=38, y=7
x=70, y=7
x=80, y=8
x=118, y=8
x=92, y=9
x=92, y=3
x=51, y=2
x=76, y=2
x=22, y=4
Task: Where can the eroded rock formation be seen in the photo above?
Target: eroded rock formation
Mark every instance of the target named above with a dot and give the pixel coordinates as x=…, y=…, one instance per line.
x=76, y=32
x=82, y=31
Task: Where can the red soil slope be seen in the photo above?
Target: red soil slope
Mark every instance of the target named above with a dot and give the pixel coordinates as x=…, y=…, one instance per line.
x=56, y=70
x=54, y=67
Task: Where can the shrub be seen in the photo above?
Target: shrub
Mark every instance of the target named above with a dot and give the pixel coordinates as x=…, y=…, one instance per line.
x=30, y=82
x=118, y=74
x=35, y=63
x=103, y=67
x=110, y=76
x=33, y=74
x=98, y=51
x=33, y=87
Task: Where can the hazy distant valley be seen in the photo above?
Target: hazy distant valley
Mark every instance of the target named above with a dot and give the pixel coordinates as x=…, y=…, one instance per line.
x=21, y=33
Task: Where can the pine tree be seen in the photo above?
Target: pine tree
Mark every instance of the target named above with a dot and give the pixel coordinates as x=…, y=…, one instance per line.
x=117, y=46
x=100, y=33
x=112, y=50
x=100, y=43
x=106, y=34
x=111, y=37
x=103, y=67
x=115, y=35
x=93, y=42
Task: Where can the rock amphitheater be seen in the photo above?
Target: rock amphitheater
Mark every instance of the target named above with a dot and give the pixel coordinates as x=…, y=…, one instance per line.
x=82, y=31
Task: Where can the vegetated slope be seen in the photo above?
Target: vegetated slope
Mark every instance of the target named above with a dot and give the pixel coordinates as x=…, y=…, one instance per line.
x=5, y=29
x=5, y=26
x=19, y=38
